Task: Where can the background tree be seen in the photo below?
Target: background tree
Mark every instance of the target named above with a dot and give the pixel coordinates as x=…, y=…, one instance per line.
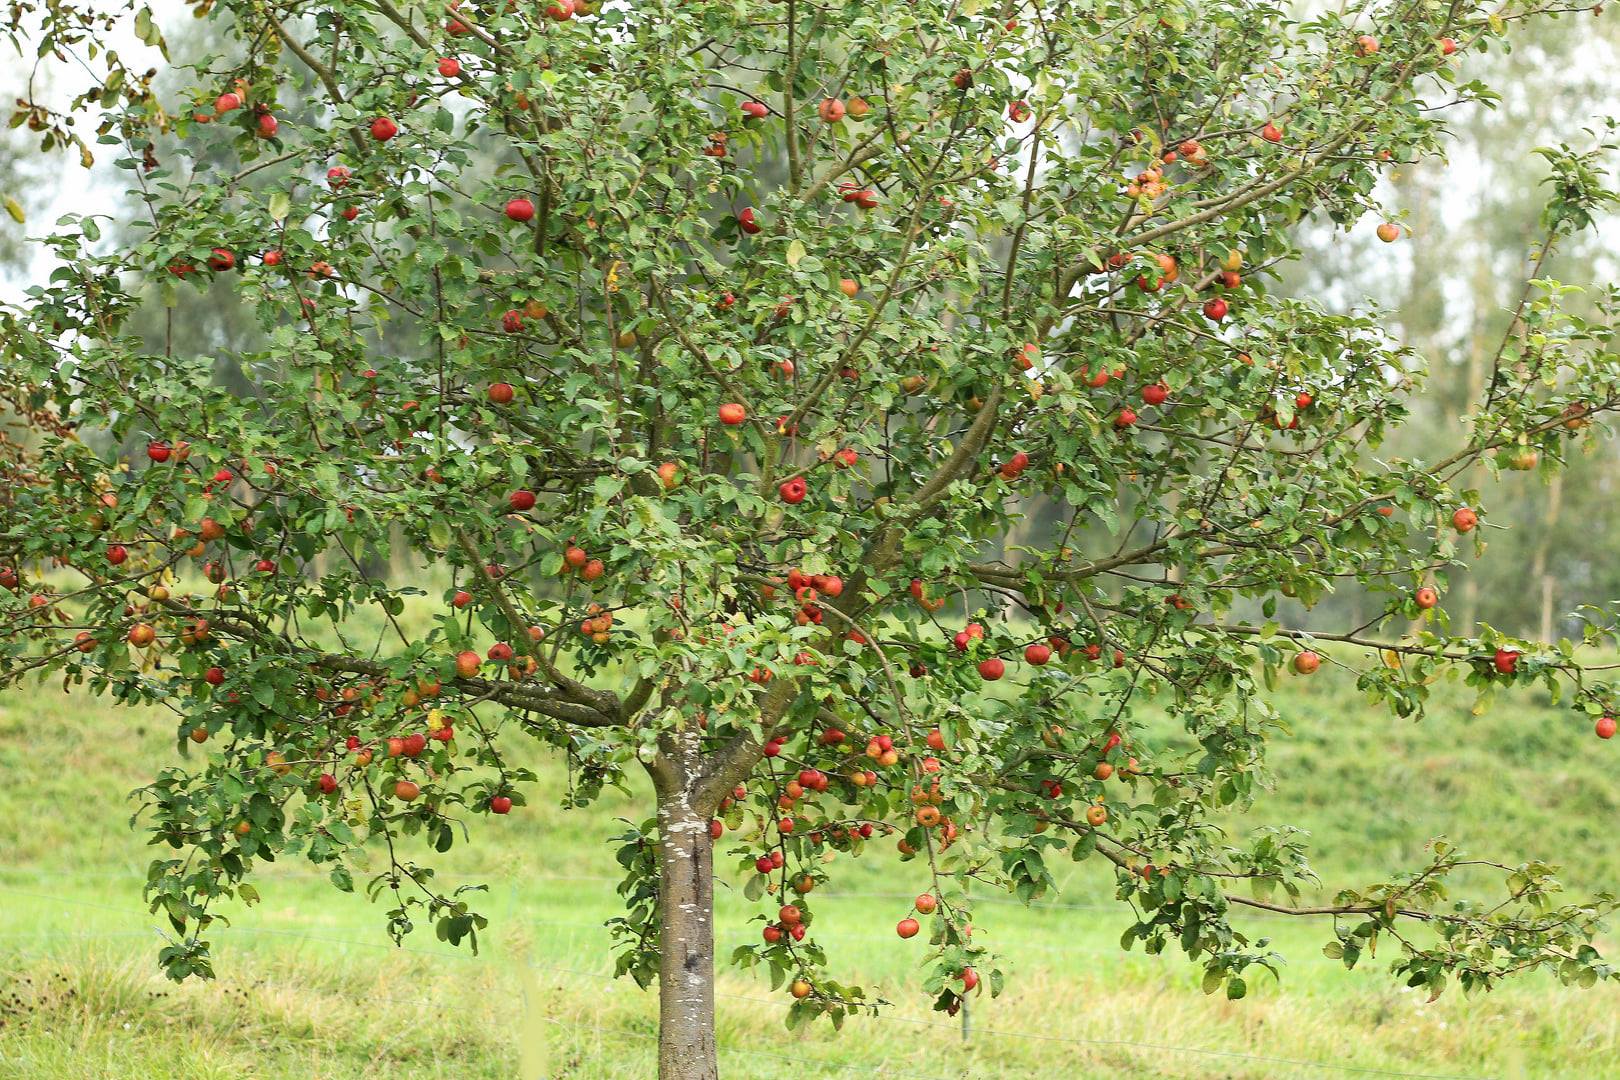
x=712, y=417
x=1475, y=221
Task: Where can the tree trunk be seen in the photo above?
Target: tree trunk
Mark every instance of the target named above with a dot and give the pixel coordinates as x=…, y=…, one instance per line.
x=686, y=1046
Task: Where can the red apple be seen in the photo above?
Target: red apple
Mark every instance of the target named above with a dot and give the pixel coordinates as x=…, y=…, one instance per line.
x=992, y=668
x=383, y=129
x=732, y=414
x=1605, y=728
x=405, y=790
x=1426, y=598
x=520, y=500
x=500, y=804
x=1463, y=519
x=1506, y=661
x=1037, y=654
x=1215, y=310
x=1155, y=393
x=755, y=110
x=747, y=221
x=907, y=928
x=520, y=209
x=1306, y=662
x=449, y=67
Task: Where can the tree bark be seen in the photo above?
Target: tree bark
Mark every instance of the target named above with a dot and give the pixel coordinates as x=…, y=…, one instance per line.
x=686, y=1045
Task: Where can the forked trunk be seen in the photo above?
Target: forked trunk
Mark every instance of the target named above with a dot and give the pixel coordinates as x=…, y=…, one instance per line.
x=686, y=1047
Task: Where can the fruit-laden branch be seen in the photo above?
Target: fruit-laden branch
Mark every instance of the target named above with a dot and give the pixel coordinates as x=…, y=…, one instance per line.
x=604, y=703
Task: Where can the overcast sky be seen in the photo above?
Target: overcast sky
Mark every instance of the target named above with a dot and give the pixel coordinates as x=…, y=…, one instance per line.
x=63, y=186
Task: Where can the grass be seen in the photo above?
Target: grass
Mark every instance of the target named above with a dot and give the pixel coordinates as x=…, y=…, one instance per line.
x=310, y=987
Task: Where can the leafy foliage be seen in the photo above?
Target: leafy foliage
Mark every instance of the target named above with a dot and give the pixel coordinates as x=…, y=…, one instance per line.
x=749, y=355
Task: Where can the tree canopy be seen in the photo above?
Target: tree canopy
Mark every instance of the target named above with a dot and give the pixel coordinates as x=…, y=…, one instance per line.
x=702, y=368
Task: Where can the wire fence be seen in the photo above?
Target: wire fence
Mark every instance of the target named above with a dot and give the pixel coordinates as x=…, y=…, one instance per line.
x=1012, y=952
x=139, y=874
x=886, y=1017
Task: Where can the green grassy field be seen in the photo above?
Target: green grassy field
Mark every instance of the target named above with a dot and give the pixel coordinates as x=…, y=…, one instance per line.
x=310, y=987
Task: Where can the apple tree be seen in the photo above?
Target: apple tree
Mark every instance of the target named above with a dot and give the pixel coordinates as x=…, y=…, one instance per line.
x=860, y=418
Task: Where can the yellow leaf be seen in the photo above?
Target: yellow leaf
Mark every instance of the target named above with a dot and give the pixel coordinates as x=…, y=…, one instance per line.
x=795, y=253
x=14, y=208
